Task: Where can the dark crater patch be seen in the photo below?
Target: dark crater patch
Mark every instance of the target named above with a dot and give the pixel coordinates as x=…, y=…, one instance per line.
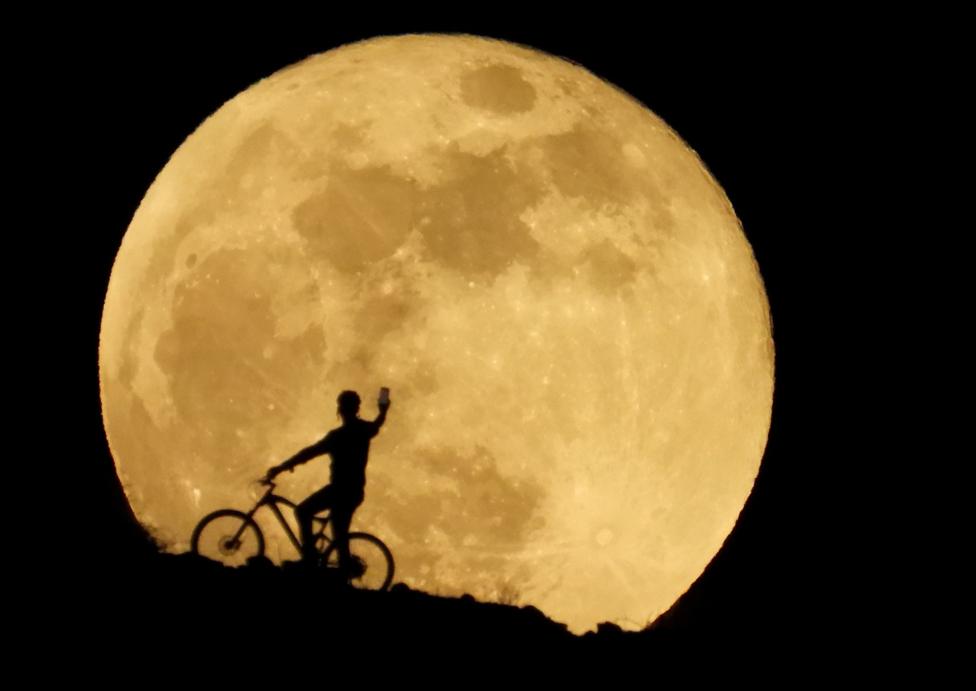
x=500, y=89
x=471, y=223
x=361, y=217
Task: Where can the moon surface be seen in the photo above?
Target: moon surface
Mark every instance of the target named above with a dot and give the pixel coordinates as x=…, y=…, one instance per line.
x=558, y=294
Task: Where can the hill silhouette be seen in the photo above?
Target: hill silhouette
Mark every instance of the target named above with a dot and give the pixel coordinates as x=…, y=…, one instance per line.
x=169, y=588
x=151, y=599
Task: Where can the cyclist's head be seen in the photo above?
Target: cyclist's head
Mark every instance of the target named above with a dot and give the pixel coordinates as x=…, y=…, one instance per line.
x=348, y=404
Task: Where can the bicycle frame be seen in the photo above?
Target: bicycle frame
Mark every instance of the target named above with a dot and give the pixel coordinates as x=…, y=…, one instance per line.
x=371, y=567
x=272, y=501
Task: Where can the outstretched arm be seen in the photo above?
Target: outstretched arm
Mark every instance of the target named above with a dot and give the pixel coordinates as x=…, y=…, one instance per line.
x=308, y=453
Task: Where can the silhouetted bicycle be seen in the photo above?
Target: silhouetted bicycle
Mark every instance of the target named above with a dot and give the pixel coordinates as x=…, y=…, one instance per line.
x=232, y=537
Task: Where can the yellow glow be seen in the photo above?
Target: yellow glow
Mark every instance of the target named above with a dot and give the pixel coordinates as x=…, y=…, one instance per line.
x=556, y=291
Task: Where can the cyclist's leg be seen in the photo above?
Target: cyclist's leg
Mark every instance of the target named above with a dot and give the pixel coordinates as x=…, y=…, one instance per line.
x=305, y=512
x=342, y=512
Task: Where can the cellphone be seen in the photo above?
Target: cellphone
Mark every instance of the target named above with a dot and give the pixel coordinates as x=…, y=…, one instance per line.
x=384, y=396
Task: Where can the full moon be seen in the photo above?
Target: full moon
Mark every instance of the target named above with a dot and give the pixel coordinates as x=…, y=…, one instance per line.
x=556, y=291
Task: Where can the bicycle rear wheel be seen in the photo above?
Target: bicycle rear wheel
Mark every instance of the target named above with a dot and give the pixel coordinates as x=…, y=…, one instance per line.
x=372, y=561
x=228, y=536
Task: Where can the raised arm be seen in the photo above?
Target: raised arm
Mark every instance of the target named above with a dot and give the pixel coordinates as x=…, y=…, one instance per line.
x=381, y=418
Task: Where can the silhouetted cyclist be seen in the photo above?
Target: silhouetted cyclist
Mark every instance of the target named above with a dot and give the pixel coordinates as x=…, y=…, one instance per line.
x=349, y=448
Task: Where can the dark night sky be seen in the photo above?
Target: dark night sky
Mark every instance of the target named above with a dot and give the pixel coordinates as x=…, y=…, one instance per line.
x=758, y=106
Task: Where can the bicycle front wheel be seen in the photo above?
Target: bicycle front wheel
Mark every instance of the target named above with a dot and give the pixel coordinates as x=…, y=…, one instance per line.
x=372, y=561
x=228, y=536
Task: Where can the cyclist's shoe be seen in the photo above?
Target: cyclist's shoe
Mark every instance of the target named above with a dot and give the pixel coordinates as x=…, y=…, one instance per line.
x=357, y=567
